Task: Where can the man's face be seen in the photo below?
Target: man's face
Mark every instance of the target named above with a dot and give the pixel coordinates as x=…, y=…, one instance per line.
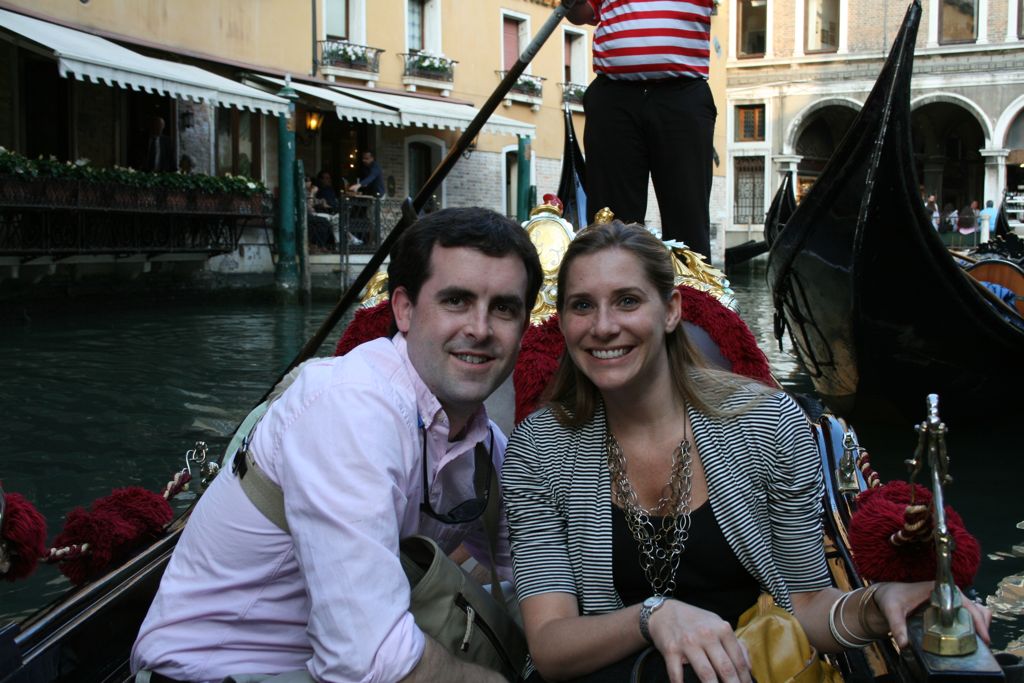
x=464, y=330
x=367, y=158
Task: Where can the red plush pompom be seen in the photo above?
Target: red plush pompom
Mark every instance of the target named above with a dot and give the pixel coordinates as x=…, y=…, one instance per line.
x=113, y=527
x=538, y=359
x=24, y=532
x=367, y=324
x=880, y=513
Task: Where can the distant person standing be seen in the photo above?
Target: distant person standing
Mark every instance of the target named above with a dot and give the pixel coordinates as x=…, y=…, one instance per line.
x=987, y=217
x=159, y=154
x=371, y=177
x=650, y=112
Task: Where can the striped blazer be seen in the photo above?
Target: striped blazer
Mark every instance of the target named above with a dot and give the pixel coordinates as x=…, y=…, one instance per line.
x=764, y=485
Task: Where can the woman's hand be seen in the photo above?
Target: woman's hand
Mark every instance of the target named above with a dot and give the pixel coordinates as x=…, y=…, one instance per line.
x=685, y=634
x=897, y=600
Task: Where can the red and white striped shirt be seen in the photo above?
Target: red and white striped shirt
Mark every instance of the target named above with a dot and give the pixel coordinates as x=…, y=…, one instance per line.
x=645, y=39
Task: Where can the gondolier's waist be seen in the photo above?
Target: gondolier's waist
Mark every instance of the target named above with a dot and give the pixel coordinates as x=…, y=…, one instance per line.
x=652, y=82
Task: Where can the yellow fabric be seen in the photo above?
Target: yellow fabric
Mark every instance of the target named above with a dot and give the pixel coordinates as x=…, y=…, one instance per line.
x=778, y=646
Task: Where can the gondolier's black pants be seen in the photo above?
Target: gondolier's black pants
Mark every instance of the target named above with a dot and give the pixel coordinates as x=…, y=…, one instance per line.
x=664, y=128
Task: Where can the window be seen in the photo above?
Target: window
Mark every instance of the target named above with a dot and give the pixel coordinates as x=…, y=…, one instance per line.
x=238, y=145
x=748, y=197
x=510, y=28
x=416, y=36
x=822, y=19
x=958, y=21
x=336, y=19
x=1020, y=19
x=753, y=26
x=575, y=57
x=750, y=123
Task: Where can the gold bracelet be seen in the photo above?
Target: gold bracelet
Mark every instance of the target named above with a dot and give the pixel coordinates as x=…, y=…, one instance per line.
x=862, y=606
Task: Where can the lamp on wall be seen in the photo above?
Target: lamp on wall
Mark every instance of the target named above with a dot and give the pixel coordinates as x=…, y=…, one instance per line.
x=314, y=120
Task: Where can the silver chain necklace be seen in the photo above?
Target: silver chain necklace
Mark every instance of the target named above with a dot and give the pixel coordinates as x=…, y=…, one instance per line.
x=661, y=546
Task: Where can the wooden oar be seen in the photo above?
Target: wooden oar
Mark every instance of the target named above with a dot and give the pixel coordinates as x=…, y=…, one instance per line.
x=411, y=208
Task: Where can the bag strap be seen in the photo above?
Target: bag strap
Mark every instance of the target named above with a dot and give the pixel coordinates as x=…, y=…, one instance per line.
x=269, y=498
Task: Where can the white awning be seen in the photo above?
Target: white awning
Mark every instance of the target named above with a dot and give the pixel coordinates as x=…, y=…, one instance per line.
x=430, y=113
x=86, y=56
x=347, y=108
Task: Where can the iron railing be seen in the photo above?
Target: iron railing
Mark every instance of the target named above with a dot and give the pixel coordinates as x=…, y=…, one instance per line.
x=425, y=65
x=572, y=93
x=348, y=55
x=526, y=84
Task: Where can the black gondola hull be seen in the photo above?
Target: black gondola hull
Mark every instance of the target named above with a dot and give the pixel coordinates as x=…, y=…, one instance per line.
x=879, y=312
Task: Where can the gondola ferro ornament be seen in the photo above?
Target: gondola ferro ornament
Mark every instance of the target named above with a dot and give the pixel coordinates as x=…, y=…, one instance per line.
x=947, y=628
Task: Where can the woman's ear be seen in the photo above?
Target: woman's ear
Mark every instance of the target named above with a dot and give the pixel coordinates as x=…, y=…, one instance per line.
x=674, y=314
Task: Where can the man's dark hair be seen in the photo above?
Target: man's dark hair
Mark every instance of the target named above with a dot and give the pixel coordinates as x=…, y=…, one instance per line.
x=476, y=228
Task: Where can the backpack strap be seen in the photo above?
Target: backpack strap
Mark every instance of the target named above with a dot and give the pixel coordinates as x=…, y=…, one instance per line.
x=269, y=499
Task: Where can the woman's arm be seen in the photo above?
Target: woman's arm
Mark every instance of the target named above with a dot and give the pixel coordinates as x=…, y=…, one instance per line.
x=871, y=613
x=565, y=645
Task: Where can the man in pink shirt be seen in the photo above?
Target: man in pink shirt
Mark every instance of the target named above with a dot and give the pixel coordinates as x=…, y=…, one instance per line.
x=368, y=448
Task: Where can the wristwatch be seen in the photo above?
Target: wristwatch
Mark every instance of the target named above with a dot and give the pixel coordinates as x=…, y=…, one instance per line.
x=648, y=608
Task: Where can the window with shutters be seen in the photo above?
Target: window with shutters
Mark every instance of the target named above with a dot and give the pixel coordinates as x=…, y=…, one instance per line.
x=750, y=123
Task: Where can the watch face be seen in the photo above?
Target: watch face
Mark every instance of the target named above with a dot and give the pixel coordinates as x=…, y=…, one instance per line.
x=654, y=601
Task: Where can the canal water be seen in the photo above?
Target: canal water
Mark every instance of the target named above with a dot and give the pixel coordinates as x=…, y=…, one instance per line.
x=112, y=394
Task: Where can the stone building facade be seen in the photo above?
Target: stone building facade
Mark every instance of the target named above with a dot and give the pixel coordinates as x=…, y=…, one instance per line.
x=798, y=73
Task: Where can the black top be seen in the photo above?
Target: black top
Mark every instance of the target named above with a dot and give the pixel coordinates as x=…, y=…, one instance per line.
x=709, y=576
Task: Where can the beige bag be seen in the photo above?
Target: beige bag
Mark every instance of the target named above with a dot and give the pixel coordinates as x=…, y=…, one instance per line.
x=458, y=613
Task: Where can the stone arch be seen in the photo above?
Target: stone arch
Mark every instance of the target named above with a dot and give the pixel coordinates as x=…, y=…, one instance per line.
x=961, y=101
x=1002, y=128
x=803, y=118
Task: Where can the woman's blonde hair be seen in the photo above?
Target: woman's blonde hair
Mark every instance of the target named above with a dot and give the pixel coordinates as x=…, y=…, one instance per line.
x=574, y=398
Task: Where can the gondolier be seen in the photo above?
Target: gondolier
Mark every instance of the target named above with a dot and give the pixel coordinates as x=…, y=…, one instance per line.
x=650, y=112
x=368, y=448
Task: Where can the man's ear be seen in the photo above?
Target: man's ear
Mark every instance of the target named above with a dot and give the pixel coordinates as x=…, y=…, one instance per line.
x=401, y=308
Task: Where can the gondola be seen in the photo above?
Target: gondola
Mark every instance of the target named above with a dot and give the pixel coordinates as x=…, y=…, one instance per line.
x=879, y=312
x=782, y=207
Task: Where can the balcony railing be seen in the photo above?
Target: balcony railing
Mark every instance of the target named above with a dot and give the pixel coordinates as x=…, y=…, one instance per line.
x=572, y=93
x=59, y=217
x=431, y=67
x=343, y=54
x=527, y=84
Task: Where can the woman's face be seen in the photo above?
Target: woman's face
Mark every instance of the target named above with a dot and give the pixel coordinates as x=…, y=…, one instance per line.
x=614, y=322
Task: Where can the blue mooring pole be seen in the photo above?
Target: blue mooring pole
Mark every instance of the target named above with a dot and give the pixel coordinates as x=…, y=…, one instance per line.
x=286, y=273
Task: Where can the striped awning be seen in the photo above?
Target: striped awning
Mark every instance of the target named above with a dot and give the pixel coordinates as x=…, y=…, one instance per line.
x=347, y=108
x=84, y=56
x=427, y=112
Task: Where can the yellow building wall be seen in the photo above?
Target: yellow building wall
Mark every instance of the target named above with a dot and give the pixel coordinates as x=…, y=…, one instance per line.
x=277, y=36
x=717, y=82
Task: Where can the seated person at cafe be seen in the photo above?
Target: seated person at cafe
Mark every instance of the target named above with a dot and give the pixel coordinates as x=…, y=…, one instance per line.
x=326, y=198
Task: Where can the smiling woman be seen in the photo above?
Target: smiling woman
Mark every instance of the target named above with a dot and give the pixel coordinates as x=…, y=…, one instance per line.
x=644, y=461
